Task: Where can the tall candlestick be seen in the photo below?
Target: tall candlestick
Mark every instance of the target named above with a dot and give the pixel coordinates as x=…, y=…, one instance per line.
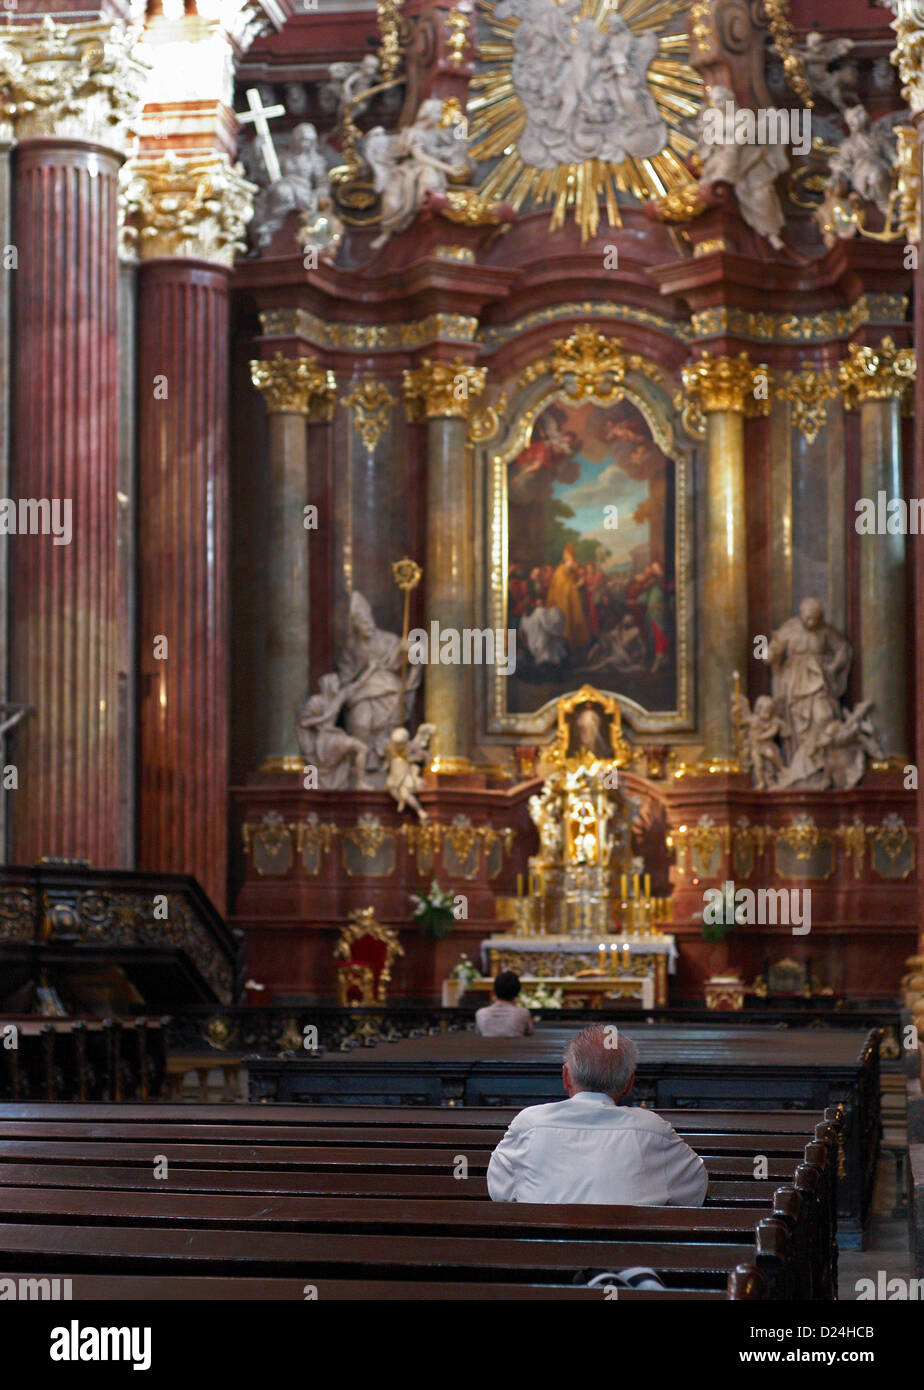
x=648, y=885
x=613, y=959
x=519, y=885
x=601, y=955
x=622, y=886
x=635, y=885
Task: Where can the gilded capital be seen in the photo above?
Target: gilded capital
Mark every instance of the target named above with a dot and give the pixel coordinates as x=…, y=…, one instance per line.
x=295, y=385
x=908, y=53
x=876, y=374
x=371, y=403
x=196, y=208
x=728, y=383
x=438, y=389
x=70, y=81
x=808, y=392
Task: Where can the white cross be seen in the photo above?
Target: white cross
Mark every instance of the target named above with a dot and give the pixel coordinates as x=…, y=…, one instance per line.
x=261, y=115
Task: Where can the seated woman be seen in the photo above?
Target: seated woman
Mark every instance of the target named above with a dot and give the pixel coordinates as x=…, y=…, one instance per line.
x=504, y=1018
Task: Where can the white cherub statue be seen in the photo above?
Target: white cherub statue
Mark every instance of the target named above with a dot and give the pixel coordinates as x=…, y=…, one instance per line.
x=760, y=753
x=405, y=755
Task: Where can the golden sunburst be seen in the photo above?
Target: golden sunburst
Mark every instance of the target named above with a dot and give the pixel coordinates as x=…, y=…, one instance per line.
x=498, y=119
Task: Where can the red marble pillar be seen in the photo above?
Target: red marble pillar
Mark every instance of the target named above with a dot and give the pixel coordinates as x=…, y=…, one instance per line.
x=64, y=597
x=183, y=569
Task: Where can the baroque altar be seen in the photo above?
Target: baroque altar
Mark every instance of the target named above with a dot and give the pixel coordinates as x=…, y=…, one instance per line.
x=589, y=908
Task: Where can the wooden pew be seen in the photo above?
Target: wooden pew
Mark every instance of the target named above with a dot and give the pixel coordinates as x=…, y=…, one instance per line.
x=138, y=1249
x=803, y=1225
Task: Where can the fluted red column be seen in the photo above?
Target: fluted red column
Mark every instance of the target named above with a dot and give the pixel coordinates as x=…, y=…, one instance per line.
x=183, y=569
x=64, y=597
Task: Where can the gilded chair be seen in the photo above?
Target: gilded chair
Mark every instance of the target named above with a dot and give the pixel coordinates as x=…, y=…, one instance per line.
x=365, y=945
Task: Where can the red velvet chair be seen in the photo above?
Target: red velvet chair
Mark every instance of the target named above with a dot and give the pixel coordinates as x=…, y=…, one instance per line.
x=365, y=952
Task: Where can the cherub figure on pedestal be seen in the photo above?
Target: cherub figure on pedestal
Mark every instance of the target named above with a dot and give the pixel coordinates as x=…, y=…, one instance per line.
x=760, y=753
x=405, y=756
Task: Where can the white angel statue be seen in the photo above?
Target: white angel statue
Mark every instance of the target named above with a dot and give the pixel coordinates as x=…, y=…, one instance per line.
x=405, y=755
x=864, y=161
x=409, y=164
x=817, y=54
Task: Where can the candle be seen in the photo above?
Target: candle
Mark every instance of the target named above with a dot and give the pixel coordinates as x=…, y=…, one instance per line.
x=648, y=885
x=625, y=957
x=613, y=959
x=635, y=885
x=622, y=886
x=601, y=955
x=519, y=885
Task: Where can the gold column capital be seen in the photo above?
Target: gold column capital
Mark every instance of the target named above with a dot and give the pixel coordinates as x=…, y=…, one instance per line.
x=371, y=403
x=71, y=81
x=297, y=386
x=908, y=53
x=727, y=383
x=881, y=373
x=808, y=392
x=442, y=389
x=193, y=208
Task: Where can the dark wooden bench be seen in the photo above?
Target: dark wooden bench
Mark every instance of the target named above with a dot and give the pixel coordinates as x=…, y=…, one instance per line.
x=802, y=1210
x=745, y=1282
x=138, y=1249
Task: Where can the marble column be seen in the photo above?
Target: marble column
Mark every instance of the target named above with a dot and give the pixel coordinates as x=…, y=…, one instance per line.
x=874, y=381
x=295, y=391
x=723, y=388
x=908, y=57
x=6, y=287
x=183, y=606
x=69, y=117
x=443, y=394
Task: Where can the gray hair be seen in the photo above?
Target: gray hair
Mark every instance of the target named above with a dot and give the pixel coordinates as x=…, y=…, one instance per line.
x=601, y=1058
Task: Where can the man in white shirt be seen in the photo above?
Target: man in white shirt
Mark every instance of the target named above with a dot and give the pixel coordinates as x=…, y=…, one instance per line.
x=590, y=1149
x=504, y=1018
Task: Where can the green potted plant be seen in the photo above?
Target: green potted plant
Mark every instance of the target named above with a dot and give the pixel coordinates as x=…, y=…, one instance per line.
x=434, y=912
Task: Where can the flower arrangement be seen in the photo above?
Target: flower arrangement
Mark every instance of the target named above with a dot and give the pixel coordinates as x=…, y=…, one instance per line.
x=434, y=912
x=464, y=971
x=540, y=996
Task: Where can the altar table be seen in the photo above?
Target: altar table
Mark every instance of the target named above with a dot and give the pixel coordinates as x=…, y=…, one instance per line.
x=545, y=956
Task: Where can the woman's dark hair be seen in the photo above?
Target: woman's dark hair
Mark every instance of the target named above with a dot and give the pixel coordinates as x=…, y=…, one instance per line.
x=507, y=985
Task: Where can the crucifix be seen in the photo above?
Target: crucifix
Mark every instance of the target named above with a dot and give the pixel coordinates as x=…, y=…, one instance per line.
x=261, y=116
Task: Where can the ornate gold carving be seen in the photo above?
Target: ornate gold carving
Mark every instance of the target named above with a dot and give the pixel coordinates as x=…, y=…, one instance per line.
x=368, y=834
x=438, y=389
x=588, y=363
x=908, y=53
x=801, y=836
x=701, y=25
x=70, y=81
x=314, y=834
x=388, y=14
x=706, y=248
x=832, y=323
x=808, y=391
x=219, y=1033
x=853, y=837
x=557, y=755
x=371, y=337
x=747, y=841
x=876, y=374
x=269, y=842
x=469, y=209
x=363, y=923
x=297, y=385
x=691, y=415
x=371, y=403
x=485, y=422
x=464, y=255
x=350, y=977
x=704, y=839
x=777, y=12
x=195, y=208
x=727, y=383
x=461, y=836
x=681, y=205
x=908, y=168
x=457, y=24
x=291, y=762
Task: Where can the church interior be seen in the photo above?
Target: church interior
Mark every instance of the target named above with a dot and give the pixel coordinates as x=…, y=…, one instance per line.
x=464, y=493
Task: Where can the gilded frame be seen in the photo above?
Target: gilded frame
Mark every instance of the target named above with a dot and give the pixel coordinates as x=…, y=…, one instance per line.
x=646, y=386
